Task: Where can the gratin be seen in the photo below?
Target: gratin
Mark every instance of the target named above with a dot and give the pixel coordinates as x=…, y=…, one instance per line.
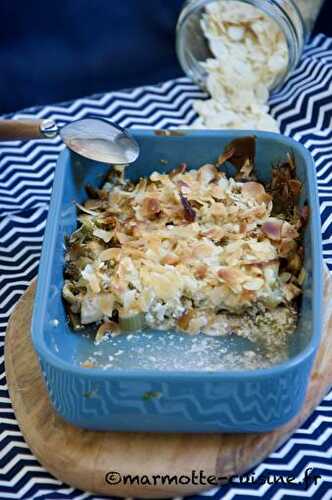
x=190, y=250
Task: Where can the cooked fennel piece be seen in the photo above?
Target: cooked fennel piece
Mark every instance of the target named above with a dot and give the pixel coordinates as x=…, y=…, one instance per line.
x=132, y=323
x=191, y=250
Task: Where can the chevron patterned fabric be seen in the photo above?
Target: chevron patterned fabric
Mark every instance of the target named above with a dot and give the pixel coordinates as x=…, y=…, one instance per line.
x=304, y=109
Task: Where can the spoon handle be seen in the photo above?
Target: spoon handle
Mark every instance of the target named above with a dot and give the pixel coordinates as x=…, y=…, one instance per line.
x=12, y=130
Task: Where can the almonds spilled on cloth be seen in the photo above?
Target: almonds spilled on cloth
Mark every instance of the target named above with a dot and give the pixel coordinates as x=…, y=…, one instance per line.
x=249, y=55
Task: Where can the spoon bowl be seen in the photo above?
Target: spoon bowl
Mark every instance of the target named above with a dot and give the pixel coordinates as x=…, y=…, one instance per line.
x=94, y=138
x=100, y=140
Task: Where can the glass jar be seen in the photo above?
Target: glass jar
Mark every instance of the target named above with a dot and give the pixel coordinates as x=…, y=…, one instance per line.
x=295, y=19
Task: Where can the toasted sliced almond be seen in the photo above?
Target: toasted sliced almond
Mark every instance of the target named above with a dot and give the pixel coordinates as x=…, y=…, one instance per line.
x=218, y=192
x=201, y=271
x=110, y=253
x=92, y=204
x=86, y=210
x=207, y=173
x=253, y=190
x=231, y=275
x=288, y=231
x=170, y=259
x=202, y=249
x=151, y=207
x=272, y=228
x=106, y=327
x=103, y=235
x=254, y=284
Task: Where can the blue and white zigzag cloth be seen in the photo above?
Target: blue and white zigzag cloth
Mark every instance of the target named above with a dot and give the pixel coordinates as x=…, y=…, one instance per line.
x=304, y=110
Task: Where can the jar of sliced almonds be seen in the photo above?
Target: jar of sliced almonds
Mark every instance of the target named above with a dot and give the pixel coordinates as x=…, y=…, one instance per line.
x=240, y=50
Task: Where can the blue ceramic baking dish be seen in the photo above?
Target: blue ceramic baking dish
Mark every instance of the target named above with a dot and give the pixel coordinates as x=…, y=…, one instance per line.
x=152, y=400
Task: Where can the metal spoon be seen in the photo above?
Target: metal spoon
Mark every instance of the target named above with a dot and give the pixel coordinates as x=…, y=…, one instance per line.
x=94, y=138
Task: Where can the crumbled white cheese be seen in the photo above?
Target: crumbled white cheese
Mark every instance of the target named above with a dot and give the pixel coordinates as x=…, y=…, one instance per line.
x=159, y=312
x=249, y=55
x=90, y=310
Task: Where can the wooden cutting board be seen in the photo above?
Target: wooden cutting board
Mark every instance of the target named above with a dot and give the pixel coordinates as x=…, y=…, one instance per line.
x=82, y=458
